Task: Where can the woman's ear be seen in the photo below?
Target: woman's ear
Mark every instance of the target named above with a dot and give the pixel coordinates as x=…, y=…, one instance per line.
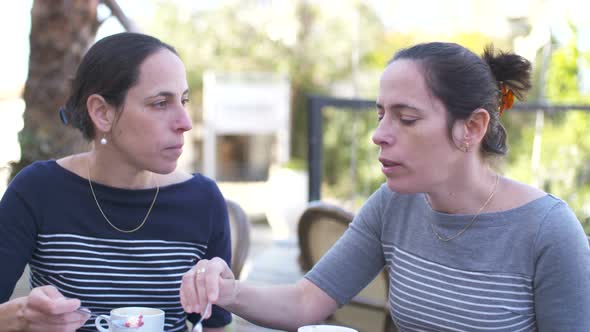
x=476, y=126
x=101, y=112
x=469, y=132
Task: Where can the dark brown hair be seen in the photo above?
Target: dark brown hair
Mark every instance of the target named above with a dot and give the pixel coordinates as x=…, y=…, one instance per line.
x=464, y=82
x=109, y=68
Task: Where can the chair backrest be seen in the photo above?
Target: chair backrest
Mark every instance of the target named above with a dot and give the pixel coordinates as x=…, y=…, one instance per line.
x=320, y=226
x=240, y=236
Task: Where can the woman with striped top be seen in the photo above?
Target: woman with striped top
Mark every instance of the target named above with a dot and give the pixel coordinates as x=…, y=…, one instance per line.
x=466, y=249
x=119, y=225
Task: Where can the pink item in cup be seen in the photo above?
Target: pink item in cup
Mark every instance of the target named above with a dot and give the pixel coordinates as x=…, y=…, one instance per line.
x=134, y=321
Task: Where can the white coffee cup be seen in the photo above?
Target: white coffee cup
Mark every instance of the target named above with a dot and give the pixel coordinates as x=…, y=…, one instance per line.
x=325, y=328
x=153, y=320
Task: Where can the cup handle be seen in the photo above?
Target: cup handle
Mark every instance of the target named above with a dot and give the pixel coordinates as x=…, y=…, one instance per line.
x=98, y=322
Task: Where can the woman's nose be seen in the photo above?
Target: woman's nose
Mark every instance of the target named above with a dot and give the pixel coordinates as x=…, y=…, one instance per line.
x=183, y=121
x=383, y=134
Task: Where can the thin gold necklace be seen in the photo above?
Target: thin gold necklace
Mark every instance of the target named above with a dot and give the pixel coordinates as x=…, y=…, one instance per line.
x=107, y=219
x=447, y=239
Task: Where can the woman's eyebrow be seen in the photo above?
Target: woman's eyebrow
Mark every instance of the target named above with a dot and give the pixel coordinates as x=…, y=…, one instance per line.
x=165, y=94
x=397, y=107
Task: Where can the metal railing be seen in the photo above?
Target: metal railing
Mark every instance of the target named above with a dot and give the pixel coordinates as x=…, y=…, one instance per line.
x=317, y=103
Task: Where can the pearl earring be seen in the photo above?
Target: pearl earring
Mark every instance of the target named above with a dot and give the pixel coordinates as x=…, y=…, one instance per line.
x=103, y=140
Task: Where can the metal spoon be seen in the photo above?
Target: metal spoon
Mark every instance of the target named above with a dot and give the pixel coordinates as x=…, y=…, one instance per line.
x=86, y=311
x=198, y=326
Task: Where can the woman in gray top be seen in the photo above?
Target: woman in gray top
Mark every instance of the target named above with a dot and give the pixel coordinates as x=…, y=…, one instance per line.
x=466, y=249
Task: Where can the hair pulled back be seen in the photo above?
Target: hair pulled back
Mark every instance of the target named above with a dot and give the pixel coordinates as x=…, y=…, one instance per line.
x=465, y=82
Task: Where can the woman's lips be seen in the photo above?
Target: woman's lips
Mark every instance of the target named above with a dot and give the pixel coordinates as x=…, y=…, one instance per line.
x=389, y=166
x=175, y=149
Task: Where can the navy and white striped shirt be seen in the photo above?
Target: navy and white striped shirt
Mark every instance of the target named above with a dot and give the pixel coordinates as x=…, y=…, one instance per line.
x=524, y=269
x=48, y=218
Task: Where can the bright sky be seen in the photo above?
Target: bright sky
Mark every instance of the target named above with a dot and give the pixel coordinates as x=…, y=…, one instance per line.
x=397, y=14
x=15, y=26
x=14, y=30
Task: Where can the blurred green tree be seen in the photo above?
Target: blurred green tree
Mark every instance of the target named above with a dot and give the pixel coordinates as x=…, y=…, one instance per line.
x=302, y=40
x=564, y=168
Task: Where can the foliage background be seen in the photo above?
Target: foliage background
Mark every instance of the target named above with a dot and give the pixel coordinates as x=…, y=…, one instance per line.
x=239, y=37
x=339, y=48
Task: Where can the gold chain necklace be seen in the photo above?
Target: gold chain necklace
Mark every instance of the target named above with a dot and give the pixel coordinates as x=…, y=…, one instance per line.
x=447, y=239
x=107, y=219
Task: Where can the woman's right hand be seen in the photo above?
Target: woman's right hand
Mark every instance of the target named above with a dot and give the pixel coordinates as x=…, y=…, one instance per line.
x=46, y=309
x=208, y=281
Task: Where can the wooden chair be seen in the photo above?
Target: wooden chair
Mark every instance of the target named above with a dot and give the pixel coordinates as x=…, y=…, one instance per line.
x=240, y=236
x=320, y=226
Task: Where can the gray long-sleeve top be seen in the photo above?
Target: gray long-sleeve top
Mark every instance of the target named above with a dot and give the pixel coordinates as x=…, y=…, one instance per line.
x=524, y=269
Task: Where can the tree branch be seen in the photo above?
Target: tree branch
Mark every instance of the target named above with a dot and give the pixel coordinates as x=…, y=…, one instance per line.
x=116, y=11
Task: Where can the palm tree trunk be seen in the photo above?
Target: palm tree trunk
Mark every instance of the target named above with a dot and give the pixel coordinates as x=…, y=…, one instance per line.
x=61, y=32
